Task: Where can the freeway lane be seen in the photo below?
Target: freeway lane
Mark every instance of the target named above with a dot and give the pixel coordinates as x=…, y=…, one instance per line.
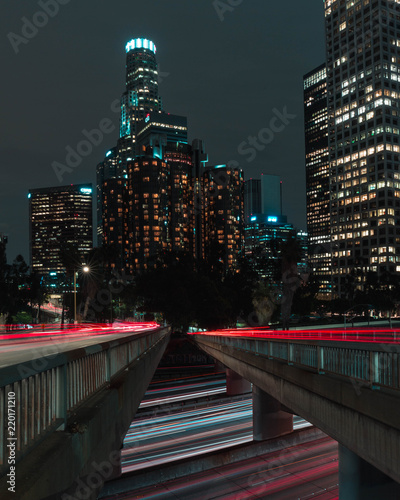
x=184, y=388
x=302, y=472
x=32, y=344
x=189, y=433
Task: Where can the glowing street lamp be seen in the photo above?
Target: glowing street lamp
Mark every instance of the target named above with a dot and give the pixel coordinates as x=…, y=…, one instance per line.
x=85, y=269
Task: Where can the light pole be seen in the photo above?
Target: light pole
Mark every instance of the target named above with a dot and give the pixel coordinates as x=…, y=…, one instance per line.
x=85, y=269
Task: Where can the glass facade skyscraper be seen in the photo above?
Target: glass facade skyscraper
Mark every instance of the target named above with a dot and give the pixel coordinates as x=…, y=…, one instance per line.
x=59, y=217
x=363, y=78
x=317, y=177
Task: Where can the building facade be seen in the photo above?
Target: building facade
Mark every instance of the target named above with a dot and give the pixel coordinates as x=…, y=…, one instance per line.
x=59, y=218
x=223, y=215
x=363, y=79
x=317, y=178
x=264, y=237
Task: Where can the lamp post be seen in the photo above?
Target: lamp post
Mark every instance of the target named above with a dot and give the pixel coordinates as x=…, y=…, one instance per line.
x=85, y=269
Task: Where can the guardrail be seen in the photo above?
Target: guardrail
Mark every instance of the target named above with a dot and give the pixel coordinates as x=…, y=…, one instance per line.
x=373, y=365
x=44, y=392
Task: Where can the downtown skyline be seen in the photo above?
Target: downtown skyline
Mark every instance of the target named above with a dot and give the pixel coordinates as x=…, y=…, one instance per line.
x=240, y=72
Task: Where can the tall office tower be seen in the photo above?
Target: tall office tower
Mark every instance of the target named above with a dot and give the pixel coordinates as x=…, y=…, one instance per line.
x=317, y=178
x=148, y=186
x=59, y=217
x=107, y=169
x=363, y=65
x=115, y=223
x=141, y=94
x=252, y=198
x=223, y=216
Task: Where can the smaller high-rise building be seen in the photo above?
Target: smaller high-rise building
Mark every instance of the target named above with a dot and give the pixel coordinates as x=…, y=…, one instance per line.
x=264, y=237
x=59, y=218
x=252, y=198
x=271, y=194
x=115, y=223
x=149, y=219
x=317, y=178
x=223, y=216
x=109, y=168
x=266, y=231
x=159, y=129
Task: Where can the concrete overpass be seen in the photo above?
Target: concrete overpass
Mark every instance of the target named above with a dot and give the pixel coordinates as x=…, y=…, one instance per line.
x=345, y=383
x=64, y=415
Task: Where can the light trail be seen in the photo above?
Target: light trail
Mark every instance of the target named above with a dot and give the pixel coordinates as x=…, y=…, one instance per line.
x=186, y=434
x=368, y=335
x=301, y=472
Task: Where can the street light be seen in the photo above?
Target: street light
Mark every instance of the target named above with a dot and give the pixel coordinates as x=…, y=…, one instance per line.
x=85, y=269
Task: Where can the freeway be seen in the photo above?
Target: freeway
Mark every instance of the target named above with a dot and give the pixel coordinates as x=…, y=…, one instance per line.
x=302, y=472
x=184, y=388
x=26, y=345
x=188, y=433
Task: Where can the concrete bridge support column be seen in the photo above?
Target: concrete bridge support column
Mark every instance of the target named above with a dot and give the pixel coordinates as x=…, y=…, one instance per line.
x=235, y=384
x=359, y=480
x=269, y=420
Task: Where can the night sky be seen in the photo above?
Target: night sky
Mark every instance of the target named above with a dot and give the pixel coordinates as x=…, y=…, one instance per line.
x=227, y=76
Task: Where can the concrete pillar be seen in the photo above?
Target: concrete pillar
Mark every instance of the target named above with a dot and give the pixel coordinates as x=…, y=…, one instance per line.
x=359, y=480
x=269, y=421
x=235, y=384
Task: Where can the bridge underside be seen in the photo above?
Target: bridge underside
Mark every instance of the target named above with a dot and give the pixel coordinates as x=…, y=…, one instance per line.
x=76, y=462
x=368, y=426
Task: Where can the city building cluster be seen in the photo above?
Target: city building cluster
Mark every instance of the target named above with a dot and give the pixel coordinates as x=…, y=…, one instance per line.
x=156, y=194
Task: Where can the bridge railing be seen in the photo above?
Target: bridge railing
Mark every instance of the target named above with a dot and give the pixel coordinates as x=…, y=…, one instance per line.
x=37, y=397
x=373, y=365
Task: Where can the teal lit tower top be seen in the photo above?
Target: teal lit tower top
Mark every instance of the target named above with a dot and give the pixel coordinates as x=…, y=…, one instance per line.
x=139, y=43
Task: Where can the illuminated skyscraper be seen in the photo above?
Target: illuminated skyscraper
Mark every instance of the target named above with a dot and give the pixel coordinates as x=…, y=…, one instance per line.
x=141, y=95
x=363, y=78
x=59, y=217
x=148, y=183
x=223, y=214
x=263, y=240
x=138, y=101
x=317, y=177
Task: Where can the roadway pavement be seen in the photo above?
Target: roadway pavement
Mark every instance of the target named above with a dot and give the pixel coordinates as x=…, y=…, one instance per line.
x=27, y=345
x=189, y=433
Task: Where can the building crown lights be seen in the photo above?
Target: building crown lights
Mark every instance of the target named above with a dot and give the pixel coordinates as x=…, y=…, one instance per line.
x=140, y=43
